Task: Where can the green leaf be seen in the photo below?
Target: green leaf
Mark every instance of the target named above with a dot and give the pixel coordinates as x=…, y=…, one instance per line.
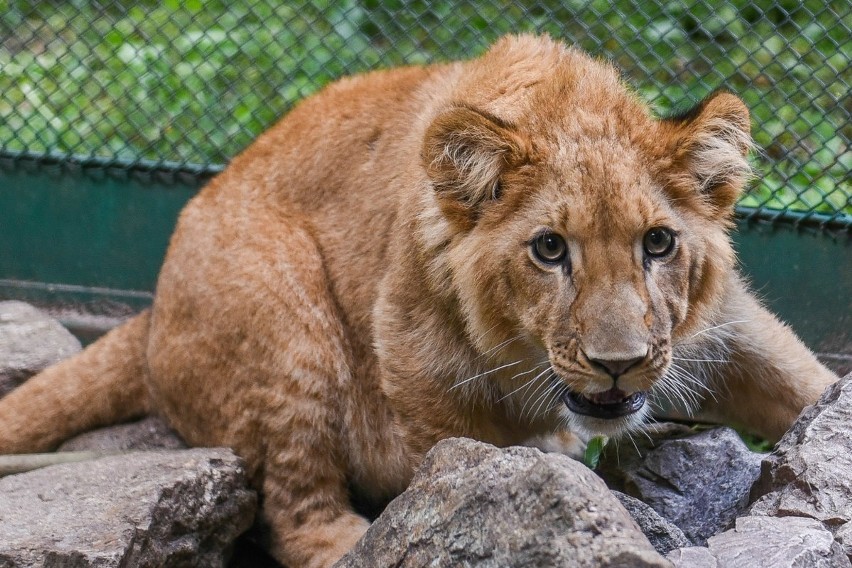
x=593, y=451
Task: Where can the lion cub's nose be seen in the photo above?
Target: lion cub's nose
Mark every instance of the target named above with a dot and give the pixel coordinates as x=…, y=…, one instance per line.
x=616, y=367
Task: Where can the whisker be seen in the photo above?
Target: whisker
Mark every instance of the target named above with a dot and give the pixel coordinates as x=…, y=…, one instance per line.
x=522, y=373
x=523, y=386
x=530, y=401
x=688, y=397
x=632, y=441
x=672, y=389
x=543, y=399
x=644, y=432
x=491, y=352
x=696, y=334
x=484, y=333
x=683, y=384
x=685, y=375
x=700, y=360
x=665, y=390
x=683, y=396
x=484, y=374
x=557, y=400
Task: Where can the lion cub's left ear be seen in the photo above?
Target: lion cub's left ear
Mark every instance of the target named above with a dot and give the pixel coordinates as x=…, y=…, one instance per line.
x=712, y=144
x=464, y=152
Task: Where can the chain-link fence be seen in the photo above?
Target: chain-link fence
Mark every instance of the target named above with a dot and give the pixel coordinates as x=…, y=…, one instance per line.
x=188, y=83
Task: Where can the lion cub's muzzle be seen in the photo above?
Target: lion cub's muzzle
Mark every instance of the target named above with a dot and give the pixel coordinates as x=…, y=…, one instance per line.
x=619, y=387
x=612, y=403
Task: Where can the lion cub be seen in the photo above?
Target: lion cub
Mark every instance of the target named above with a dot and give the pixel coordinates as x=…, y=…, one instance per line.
x=498, y=248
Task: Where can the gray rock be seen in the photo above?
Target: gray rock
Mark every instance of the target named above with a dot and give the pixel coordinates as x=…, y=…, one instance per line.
x=169, y=508
x=810, y=472
x=767, y=542
x=700, y=482
x=471, y=504
x=663, y=534
x=150, y=433
x=843, y=536
x=30, y=340
x=693, y=557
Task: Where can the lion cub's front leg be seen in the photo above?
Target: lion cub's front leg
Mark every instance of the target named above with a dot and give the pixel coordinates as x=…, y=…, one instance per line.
x=766, y=376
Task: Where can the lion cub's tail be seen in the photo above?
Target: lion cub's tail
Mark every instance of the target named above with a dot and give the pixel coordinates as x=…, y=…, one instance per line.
x=101, y=385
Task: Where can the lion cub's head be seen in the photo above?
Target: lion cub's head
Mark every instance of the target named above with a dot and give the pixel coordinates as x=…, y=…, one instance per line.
x=583, y=238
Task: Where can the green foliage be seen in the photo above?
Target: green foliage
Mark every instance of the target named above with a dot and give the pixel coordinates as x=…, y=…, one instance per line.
x=195, y=82
x=756, y=443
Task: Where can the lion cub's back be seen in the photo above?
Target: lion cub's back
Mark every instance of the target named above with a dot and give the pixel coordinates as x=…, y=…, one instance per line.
x=343, y=147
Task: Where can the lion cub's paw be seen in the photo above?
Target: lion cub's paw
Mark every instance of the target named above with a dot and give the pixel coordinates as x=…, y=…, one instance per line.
x=320, y=545
x=563, y=442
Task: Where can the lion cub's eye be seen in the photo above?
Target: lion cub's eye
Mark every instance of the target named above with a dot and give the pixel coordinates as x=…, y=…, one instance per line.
x=659, y=241
x=550, y=248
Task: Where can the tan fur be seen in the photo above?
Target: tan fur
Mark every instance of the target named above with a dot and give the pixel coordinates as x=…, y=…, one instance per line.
x=360, y=284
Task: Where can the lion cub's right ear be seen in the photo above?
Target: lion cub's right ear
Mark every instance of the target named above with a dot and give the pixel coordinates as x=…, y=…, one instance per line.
x=464, y=152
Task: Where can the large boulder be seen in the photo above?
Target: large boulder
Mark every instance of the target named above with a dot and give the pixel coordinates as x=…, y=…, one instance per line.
x=168, y=508
x=700, y=482
x=471, y=504
x=810, y=472
x=30, y=340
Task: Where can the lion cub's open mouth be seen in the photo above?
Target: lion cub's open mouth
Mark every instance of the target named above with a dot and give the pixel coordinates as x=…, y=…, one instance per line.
x=613, y=403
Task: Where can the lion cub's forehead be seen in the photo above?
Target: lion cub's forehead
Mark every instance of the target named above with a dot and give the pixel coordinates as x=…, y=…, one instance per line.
x=593, y=185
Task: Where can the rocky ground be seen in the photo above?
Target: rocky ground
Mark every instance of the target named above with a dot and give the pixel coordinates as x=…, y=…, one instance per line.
x=676, y=497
